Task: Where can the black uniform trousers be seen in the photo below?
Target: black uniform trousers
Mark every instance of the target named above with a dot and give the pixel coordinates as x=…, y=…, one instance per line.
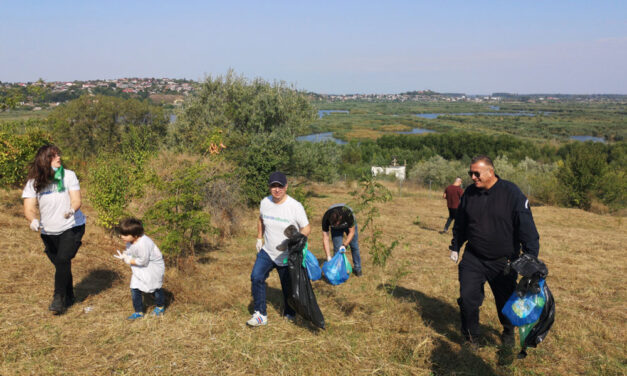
x=61, y=249
x=473, y=273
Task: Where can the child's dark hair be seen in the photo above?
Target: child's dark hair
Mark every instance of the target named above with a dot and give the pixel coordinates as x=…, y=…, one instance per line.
x=131, y=226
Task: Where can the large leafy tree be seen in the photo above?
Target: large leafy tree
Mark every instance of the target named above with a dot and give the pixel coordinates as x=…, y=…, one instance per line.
x=234, y=104
x=91, y=125
x=255, y=120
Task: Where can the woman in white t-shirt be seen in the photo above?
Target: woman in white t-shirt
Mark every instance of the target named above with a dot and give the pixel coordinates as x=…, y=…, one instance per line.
x=56, y=193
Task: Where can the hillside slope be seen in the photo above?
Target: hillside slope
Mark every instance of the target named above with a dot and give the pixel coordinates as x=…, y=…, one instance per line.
x=410, y=329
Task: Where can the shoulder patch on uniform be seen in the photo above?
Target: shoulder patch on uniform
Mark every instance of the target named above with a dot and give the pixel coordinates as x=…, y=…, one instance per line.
x=527, y=204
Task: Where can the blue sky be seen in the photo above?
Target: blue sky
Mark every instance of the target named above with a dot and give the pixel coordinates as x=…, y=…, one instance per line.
x=474, y=47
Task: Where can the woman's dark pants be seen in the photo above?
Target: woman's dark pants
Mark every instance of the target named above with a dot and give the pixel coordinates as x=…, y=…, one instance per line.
x=61, y=249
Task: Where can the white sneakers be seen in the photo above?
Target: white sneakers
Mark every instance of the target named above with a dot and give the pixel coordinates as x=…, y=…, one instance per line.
x=258, y=319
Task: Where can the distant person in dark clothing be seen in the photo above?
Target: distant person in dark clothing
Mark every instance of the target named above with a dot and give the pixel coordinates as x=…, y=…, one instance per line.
x=494, y=220
x=453, y=193
x=339, y=219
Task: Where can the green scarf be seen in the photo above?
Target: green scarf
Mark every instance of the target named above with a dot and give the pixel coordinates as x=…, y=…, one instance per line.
x=58, y=178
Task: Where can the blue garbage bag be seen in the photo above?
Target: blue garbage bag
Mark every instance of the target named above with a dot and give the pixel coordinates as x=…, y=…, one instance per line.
x=526, y=309
x=335, y=269
x=313, y=268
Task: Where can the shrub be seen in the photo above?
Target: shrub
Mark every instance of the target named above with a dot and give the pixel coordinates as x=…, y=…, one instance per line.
x=194, y=197
x=584, y=165
x=235, y=104
x=437, y=171
x=613, y=189
x=265, y=153
x=16, y=152
x=373, y=192
x=91, y=125
x=316, y=161
x=178, y=218
x=109, y=189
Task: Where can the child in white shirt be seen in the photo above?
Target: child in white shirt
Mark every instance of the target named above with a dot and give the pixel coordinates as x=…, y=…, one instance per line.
x=146, y=262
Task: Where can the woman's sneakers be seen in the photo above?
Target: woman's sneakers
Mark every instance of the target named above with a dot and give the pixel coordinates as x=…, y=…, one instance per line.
x=135, y=316
x=258, y=319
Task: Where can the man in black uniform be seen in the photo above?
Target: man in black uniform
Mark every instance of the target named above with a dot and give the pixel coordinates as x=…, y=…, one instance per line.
x=339, y=219
x=494, y=218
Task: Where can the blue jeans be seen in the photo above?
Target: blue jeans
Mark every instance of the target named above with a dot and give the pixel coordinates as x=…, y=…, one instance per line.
x=136, y=296
x=261, y=271
x=337, y=236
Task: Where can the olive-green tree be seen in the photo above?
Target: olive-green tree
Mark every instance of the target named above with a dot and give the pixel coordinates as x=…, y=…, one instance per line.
x=254, y=120
x=234, y=103
x=16, y=152
x=581, y=172
x=91, y=125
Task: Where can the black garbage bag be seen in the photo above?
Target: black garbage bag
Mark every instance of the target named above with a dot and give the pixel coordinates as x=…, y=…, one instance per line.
x=533, y=270
x=302, y=298
x=541, y=328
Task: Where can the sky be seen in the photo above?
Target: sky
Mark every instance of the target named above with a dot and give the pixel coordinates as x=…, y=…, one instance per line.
x=331, y=47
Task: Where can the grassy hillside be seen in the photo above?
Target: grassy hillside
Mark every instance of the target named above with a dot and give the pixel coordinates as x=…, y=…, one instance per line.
x=371, y=329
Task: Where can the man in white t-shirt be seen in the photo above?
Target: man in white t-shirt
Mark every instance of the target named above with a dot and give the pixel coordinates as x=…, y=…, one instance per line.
x=276, y=213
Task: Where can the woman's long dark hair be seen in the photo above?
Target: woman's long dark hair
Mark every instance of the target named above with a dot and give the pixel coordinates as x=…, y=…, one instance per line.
x=40, y=169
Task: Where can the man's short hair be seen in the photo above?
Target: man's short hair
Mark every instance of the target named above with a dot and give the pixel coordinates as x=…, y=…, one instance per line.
x=483, y=158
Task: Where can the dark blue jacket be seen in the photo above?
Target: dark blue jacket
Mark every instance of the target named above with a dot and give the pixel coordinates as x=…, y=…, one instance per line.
x=495, y=222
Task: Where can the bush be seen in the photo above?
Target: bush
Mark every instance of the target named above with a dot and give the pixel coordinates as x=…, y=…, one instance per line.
x=437, y=172
x=265, y=153
x=116, y=178
x=581, y=172
x=178, y=219
x=109, y=189
x=92, y=125
x=194, y=196
x=235, y=104
x=316, y=161
x=613, y=189
x=17, y=151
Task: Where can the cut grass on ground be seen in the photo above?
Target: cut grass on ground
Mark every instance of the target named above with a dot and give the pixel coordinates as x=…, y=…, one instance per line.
x=411, y=327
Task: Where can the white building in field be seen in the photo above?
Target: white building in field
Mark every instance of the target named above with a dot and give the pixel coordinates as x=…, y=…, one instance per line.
x=394, y=169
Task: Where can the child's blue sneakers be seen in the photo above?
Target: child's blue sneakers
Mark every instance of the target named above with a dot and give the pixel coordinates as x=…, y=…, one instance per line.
x=135, y=316
x=158, y=311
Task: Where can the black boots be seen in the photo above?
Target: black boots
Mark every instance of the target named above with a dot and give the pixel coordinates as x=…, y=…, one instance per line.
x=508, y=338
x=58, y=304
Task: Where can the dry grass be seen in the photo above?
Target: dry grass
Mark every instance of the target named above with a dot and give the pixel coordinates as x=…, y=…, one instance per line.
x=395, y=128
x=412, y=330
x=363, y=133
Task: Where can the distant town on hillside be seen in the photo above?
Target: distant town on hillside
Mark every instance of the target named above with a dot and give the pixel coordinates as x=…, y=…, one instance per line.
x=41, y=94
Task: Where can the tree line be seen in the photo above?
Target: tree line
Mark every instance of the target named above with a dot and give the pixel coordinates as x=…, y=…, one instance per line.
x=193, y=176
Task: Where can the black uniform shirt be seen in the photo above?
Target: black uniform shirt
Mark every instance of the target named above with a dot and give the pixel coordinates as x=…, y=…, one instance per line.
x=495, y=222
x=347, y=218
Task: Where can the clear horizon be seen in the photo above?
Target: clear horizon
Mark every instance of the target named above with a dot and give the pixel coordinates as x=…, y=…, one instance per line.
x=478, y=48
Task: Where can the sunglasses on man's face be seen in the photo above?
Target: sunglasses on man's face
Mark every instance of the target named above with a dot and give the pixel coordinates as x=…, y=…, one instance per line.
x=277, y=186
x=475, y=173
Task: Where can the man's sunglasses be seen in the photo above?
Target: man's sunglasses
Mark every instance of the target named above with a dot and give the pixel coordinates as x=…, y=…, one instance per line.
x=475, y=173
x=277, y=186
